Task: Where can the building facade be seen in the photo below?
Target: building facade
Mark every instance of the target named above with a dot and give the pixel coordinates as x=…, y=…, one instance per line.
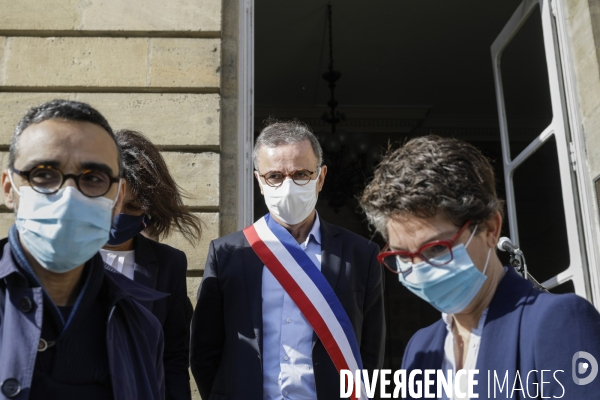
x=182, y=72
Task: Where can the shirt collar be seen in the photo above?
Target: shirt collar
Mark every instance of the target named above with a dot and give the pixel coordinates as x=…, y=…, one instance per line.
x=315, y=232
x=477, y=331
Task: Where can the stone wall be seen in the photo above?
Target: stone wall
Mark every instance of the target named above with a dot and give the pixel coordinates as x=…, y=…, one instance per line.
x=584, y=31
x=583, y=24
x=154, y=66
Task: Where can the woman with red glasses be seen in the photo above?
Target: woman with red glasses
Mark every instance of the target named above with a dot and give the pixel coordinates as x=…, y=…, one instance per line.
x=434, y=200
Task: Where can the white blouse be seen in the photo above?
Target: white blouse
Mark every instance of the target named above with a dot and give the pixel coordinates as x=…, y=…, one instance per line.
x=449, y=362
x=122, y=261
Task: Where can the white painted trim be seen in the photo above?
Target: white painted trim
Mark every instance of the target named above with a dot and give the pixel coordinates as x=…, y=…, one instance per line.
x=508, y=32
x=589, y=213
x=557, y=128
x=245, y=191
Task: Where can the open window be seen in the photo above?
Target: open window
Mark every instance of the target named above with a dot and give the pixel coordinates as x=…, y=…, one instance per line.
x=537, y=157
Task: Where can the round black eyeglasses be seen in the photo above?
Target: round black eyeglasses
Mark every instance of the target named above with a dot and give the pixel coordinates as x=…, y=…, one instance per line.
x=275, y=178
x=48, y=180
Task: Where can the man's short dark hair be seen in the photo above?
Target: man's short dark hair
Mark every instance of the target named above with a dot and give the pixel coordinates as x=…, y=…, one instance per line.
x=278, y=133
x=67, y=110
x=431, y=175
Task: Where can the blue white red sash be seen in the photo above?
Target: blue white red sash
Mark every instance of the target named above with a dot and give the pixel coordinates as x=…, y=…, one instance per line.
x=309, y=290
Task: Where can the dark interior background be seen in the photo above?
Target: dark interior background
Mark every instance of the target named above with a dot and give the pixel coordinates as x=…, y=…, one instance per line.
x=410, y=69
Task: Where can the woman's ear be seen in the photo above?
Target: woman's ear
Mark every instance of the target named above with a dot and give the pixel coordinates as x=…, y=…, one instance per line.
x=493, y=226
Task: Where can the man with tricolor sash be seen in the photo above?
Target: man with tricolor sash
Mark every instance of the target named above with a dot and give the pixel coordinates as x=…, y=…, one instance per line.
x=291, y=300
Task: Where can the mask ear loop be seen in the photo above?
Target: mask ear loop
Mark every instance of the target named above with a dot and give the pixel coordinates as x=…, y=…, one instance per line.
x=118, y=192
x=487, y=261
x=12, y=184
x=471, y=237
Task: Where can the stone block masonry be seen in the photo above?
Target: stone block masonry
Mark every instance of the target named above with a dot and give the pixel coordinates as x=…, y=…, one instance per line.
x=152, y=66
x=110, y=64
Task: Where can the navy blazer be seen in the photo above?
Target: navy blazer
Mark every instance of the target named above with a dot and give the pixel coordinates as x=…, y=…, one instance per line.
x=226, y=343
x=525, y=330
x=163, y=268
x=134, y=339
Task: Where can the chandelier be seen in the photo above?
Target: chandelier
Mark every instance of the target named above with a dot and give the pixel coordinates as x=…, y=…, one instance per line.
x=346, y=158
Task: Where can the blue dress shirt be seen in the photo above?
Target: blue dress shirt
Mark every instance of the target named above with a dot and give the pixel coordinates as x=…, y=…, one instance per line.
x=287, y=335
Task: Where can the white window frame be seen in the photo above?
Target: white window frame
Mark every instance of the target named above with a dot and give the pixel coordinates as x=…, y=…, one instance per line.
x=558, y=128
x=587, y=200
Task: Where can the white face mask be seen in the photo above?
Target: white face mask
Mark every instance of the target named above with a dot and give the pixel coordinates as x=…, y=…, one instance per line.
x=289, y=202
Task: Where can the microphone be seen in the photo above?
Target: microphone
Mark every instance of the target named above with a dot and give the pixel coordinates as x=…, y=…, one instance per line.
x=504, y=244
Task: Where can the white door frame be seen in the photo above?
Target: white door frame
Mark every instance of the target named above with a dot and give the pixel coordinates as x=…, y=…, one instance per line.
x=245, y=187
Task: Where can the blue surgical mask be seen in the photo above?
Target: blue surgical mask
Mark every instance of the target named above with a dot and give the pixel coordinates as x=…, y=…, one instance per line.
x=65, y=229
x=125, y=227
x=449, y=288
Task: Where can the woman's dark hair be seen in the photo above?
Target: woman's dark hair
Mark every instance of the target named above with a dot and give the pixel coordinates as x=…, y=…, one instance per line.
x=431, y=175
x=162, y=199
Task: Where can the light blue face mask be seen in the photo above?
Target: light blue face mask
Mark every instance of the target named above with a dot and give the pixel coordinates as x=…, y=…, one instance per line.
x=450, y=288
x=65, y=229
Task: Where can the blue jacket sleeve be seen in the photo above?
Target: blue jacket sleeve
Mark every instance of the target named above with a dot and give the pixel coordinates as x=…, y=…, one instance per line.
x=372, y=348
x=208, y=328
x=176, y=331
x=566, y=325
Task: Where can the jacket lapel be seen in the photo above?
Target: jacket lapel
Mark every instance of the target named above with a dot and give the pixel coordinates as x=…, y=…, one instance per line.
x=331, y=253
x=331, y=257
x=432, y=356
x=253, y=269
x=500, y=337
x=145, y=269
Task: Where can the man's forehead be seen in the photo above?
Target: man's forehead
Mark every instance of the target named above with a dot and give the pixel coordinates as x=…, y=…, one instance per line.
x=67, y=142
x=285, y=150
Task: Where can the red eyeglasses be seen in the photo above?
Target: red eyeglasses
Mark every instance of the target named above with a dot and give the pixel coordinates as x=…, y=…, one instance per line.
x=436, y=253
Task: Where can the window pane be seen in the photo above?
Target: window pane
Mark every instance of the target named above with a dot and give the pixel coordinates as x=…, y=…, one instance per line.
x=540, y=213
x=525, y=84
x=566, y=287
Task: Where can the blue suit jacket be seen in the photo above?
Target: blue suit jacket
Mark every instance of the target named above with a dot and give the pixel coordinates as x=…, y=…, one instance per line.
x=525, y=330
x=163, y=268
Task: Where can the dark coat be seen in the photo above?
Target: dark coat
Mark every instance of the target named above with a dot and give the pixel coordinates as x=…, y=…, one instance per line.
x=525, y=330
x=133, y=335
x=163, y=268
x=226, y=346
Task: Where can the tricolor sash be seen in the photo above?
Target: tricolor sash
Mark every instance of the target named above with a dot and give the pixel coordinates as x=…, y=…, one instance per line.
x=309, y=290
